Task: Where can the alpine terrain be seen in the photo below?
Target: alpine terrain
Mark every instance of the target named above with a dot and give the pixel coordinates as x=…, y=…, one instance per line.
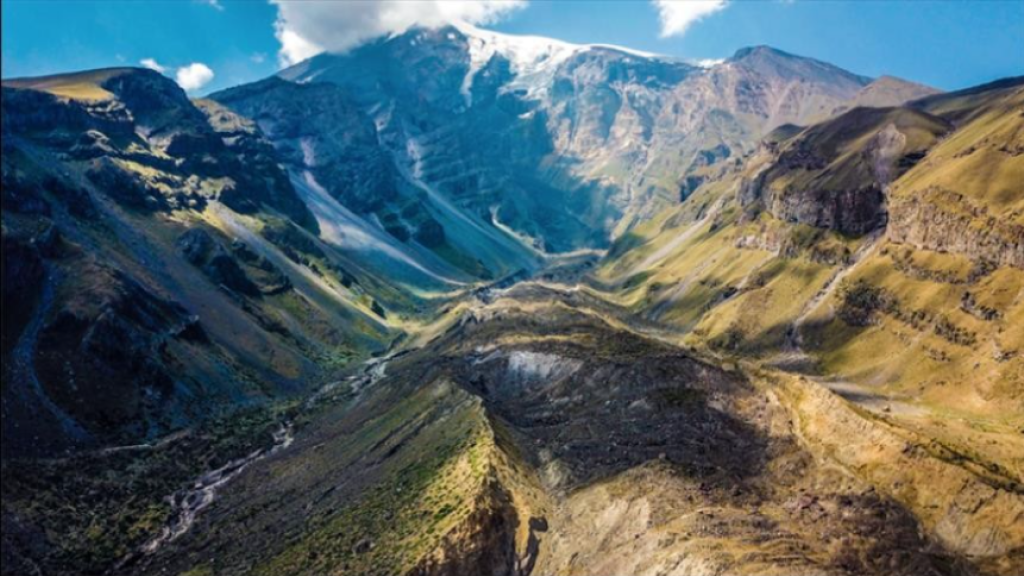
x=459, y=302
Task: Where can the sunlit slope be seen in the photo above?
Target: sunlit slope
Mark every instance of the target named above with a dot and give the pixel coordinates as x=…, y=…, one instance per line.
x=887, y=91
x=534, y=436
x=918, y=297
x=969, y=190
x=77, y=86
x=833, y=175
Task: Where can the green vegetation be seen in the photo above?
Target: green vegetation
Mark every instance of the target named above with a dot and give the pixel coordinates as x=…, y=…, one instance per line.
x=103, y=506
x=426, y=489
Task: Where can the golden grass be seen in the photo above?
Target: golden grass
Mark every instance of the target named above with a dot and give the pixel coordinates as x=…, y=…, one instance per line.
x=977, y=161
x=78, y=86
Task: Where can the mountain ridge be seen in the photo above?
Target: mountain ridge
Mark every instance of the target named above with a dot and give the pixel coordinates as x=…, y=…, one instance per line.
x=434, y=307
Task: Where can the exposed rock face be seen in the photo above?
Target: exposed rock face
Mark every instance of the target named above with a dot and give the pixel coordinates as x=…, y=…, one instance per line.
x=953, y=503
x=60, y=121
x=541, y=432
x=147, y=112
x=540, y=368
x=945, y=221
x=107, y=343
x=966, y=197
x=487, y=120
x=662, y=466
x=200, y=249
x=143, y=194
x=331, y=144
x=485, y=542
x=834, y=175
x=160, y=109
x=102, y=338
x=317, y=126
x=589, y=418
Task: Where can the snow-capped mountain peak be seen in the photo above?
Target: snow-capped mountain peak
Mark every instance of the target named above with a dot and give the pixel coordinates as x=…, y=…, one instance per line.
x=533, y=59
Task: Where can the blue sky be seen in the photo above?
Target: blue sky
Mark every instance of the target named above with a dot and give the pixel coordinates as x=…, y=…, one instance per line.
x=948, y=44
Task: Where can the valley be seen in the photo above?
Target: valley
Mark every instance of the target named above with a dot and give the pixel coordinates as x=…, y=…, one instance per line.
x=570, y=418
x=461, y=302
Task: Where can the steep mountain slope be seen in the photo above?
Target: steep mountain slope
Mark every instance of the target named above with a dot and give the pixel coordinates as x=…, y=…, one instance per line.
x=887, y=91
x=333, y=149
x=139, y=308
x=833, y=175
x=566, y=144
x=359, y=190
x=878, y=251
x=545, y=433
x=968, y=191
x=800, y=354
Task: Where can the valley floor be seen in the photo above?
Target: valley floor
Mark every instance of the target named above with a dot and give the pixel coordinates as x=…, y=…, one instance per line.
x=542, y=429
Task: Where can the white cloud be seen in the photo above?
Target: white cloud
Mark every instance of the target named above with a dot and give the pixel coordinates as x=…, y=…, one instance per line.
x=258, y=57
x=294, y=48
x=152, y=65
x=305, y=29
x=678, y=15
x=194, y=76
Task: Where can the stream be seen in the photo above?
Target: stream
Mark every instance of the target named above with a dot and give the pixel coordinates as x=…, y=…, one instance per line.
x=187, y=504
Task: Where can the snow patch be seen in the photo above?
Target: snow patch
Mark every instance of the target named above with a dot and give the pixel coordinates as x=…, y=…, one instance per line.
x=308, y=152
x=708, y=62
x=533, y=59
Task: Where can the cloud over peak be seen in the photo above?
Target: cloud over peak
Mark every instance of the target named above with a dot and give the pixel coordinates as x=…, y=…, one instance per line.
x=305, y=29
x=678, y=15
x=194, y=76
x=152, y=65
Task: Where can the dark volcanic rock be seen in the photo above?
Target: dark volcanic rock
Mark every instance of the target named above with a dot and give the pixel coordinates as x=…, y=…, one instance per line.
x=206, y=253
x=99, y=357
x=835, y=174
x=23, y=272
x=127, y=189
x=39, y=115
x=157, y=104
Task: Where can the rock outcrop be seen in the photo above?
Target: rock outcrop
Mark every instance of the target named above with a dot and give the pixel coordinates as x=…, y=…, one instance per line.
x=835, y=175
x=944, y=221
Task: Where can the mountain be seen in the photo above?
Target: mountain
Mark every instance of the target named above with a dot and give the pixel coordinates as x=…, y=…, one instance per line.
x=486, y=120
x=156, y=253
x=879, y=251
x=887, y=91
x=460, y=302
x=833, y=175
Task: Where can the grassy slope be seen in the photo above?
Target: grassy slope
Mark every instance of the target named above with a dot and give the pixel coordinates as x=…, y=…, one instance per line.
x=79, y=86
x=738, y=286
x=982, y=160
